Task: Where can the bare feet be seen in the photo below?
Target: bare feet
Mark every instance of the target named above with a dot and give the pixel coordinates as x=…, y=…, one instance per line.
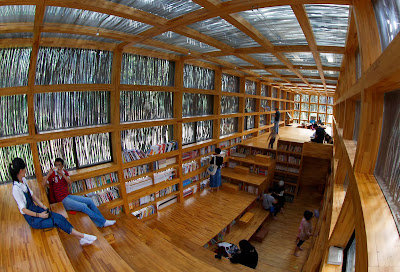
x=300, y=248
x=296, y=254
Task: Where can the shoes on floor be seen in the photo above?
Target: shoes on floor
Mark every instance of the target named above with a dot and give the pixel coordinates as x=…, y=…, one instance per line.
x=109, y=223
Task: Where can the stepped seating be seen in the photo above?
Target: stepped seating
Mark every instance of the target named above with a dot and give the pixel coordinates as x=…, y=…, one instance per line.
x=22, y=247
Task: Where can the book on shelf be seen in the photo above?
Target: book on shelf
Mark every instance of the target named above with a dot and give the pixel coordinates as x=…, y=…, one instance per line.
x=189, y=167
x=117, y=210
x=204, y=184
x=164, y=163
x=138, y=184
x=283, y=147
x=137, y=154
x=145, y=212
x=288, y=198
x=190, y=191
x=167, y=191
x=190, y=155
x=261, y=171
x=281, y=158
x=224, y=144
x=293, y=170
x=168, y=174
x=204, y=174
x=132, y=155
x=94, y=182
x=294, y=160
x=136, y=171
x=244, y=150
x=104, y=196
x=166, y=202
x=141, y=201
x=296, y=148
x=206, y=150
x=290, y=189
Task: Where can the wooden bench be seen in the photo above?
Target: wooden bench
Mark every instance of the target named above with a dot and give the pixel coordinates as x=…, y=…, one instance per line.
x=260, y=234
x=25, y=248
x=59, y=208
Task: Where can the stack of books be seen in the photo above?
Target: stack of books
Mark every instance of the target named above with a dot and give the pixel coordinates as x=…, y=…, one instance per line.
x=145, y=212
x=104, y=196
x=138, y=184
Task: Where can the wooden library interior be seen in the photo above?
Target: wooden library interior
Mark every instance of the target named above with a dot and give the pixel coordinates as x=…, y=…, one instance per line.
x=200, y=135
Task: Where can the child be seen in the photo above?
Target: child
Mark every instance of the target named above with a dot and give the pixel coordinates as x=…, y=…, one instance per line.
x=305, y=231
x=272, y=138
x=270, y=203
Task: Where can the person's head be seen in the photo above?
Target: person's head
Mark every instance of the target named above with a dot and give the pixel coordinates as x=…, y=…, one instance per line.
x=276, y=109
x=281, y=183
x=315, y=125
x=218, y=150
x=245, y=246
x=59, y=163
x=308, y=215
x=270, y=190
x=17, y=169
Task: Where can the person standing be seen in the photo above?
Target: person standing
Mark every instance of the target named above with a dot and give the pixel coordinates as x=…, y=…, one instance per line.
x=34, y=211
x=305, y=231
x=276, y=120
x=58, y=180
x=215, y=180
x=271, y=138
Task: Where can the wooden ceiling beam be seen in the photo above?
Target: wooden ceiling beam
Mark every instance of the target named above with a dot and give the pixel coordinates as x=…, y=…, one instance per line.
x=304, y=21
x=16, y=27
x=16, y=42
x=300, y=67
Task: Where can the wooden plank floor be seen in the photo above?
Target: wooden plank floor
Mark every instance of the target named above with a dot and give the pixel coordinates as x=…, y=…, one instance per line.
x=201, y=217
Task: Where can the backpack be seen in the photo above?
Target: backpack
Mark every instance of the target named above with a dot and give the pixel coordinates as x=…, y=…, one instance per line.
x=212, y=169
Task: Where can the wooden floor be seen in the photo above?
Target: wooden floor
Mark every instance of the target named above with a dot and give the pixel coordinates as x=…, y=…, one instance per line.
x=201, y=217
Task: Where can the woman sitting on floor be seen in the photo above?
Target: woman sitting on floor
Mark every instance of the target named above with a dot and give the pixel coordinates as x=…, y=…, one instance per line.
x=247, y=255
x=37, y=215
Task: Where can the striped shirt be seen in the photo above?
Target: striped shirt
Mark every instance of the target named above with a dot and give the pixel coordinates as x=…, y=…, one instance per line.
x=60, y=186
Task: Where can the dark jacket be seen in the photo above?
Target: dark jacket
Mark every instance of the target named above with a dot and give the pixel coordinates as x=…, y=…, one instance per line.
x=247, y=258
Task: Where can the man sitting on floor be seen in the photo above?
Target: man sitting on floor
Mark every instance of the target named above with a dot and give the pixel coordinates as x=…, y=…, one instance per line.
x=58, y=180
x=270, y=204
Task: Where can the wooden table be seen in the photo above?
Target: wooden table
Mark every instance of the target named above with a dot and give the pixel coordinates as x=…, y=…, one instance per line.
x=251, y=179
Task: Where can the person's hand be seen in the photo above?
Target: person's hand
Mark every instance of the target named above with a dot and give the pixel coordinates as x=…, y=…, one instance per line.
x=51, y=171
x=44, y=214
x=60, y=171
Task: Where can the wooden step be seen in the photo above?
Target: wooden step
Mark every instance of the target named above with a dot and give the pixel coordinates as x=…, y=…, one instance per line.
x=246, y=218
x=230, y=187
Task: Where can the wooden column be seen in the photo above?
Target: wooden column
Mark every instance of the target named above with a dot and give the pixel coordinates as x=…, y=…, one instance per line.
x=349, y=117
x=217, y=104
x=367, y=30
x=115, y=122
x=370, y=131
x=39, y=15
x=178, y=97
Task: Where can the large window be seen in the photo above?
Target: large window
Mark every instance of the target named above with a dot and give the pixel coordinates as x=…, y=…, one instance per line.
x=197, y=104
x=144, y=138
x=357, y=116
x=387, y=14
x=349, y=262
x=251, y=87
x=7, y=154
x=230, y=83
x=77, y=152
x=249, y=122
x=250, y=104
x=229, y=126
x=387, y=170
x=195, y=132
x=146, y=105
x=141, y=70
x=13, y=115
x=14, y=66
x=73, y=66
x=71, y=109
x=198, y=78
x=229, y=104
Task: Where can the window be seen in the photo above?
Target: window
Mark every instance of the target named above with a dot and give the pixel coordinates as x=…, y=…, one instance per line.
x=198, y=78
x=349, y=261
x=13, y=115
x=304, y=116
x=197, y=104
x=141, y=70
x=230, y=83
x=297, y=97
x=387, y=169
x=144, y=138
x=229, y=104
x=73, y=66
x=146, y=105
x=274, y=93
x=330, y=100
x=14, y=66
x=7, y=154
x=250, y=104
x=322, y=99
x=263, y=120
x=305, y=106
x=305, y=98
x=313, y=99
x=249, y=122
x=264, y=90
x=195, y=132
x=357, y=116
x=322, y=108
x=251, y=87
x=387, y=13
x=229, y=126
x=77, y=152
x=313, y=107
x=71, y=109
x=358, y=64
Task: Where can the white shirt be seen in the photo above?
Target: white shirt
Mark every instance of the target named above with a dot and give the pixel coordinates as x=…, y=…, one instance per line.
x=18, y=192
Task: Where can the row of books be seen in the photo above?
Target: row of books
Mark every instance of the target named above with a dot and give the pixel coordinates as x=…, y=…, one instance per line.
x=90, y=183
x=259, y=170
x=204, y=174
x=136, y=171
x=164, y=163
x=296, y=148
x=167, y=191
x=117, y=210
x=289, y=198
x=138, y=184
x=168, y=174
x=244, y=150
x=248, y=188
x=190, y=180
x=166, y=202
x=189, y=167
x=283, y=147
x=207, y=149
x=190, y=191
x=205, y=161
x=204, y=184
x=285, y=168
x=104, y=196
x=248, y=136
x=294, y=160
x=141, y=201
x=290, y=189
x=190, y=155
x=145, y=212
x=137, y=154
x=281, y=158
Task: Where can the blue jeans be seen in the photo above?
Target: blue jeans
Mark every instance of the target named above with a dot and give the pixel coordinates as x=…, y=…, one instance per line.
x=276, y=126
x=85, y=205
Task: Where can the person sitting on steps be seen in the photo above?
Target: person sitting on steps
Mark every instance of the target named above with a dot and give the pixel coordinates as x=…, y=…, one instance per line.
x=34, y=211
x=58, y=181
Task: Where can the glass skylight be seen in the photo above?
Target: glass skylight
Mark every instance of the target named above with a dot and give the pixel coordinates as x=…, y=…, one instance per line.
x=331, y=82
x=284, y=71
x=17, y=14
x=331, y=73
x=78, y=37
x=186, y=42
x=329, y=23
x=156, y=49
x=16, y=35
x=300, y=58
x=235, y=60
x=267, y=59
x=93, y=19
x=331, y=60
x=309, y=72
x=223, y=31
x=168, y=9
x=261, y=72
x=278, y=24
